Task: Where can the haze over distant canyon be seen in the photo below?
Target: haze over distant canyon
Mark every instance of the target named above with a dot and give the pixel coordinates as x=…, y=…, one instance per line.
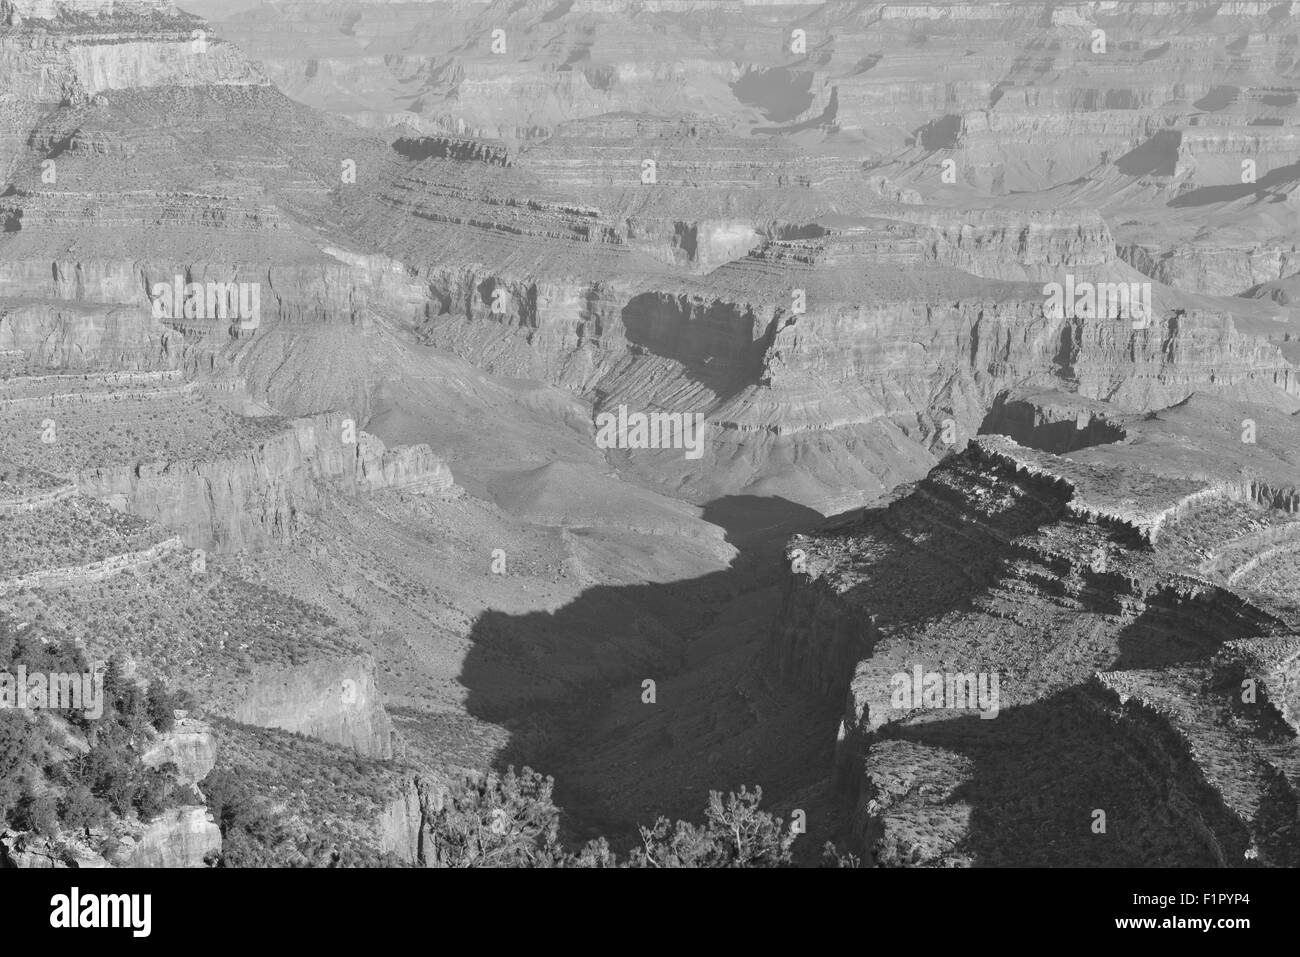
x=890, y=405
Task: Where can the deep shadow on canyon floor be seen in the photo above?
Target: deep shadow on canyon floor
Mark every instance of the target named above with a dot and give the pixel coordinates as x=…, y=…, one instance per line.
x=720, y=717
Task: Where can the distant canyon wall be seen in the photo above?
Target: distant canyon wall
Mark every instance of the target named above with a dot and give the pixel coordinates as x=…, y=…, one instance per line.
x=265, y=493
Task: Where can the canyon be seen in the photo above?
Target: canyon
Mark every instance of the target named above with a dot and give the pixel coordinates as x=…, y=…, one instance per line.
x=379, y=537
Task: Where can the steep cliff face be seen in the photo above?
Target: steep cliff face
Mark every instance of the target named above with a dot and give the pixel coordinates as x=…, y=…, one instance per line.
x=264, y=494
x=69, y=334
x=181, y=837
x=1053, y=422
x=64, y=51
x=1226, y=270
x=335, y=701
x=401, y=825
x=890, y=314
x=97, y=312
x=190, y=746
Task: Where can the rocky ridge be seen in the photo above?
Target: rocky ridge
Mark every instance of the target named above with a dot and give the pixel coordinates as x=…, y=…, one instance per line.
x=1125, y=644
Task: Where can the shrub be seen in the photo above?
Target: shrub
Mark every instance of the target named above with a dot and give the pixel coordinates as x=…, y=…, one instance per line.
x=228, y=798
x=510, y=821
x=735, y=833
x=80, y=809
x=831, y=857
x=251, y=835
x=23, y=751
x=153, y=787
x=498, y=821
x=159, y=705
x=39, y=813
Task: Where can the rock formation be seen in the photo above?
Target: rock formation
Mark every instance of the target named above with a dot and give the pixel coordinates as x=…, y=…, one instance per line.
x=1097, y=609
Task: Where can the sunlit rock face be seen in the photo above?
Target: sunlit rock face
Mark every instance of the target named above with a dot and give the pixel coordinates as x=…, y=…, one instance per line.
x=65, y=52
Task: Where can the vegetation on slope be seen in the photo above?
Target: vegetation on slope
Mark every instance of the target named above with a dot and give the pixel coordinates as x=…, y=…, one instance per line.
x=62, y=776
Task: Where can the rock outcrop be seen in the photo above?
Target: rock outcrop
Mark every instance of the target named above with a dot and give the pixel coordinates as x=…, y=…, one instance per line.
x=92, y=571
x=145, y=44
x=189, y=745
x=1066, y=601
x=181, y=837
x=28, y=850
x=265, y=493
x=334, y=701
